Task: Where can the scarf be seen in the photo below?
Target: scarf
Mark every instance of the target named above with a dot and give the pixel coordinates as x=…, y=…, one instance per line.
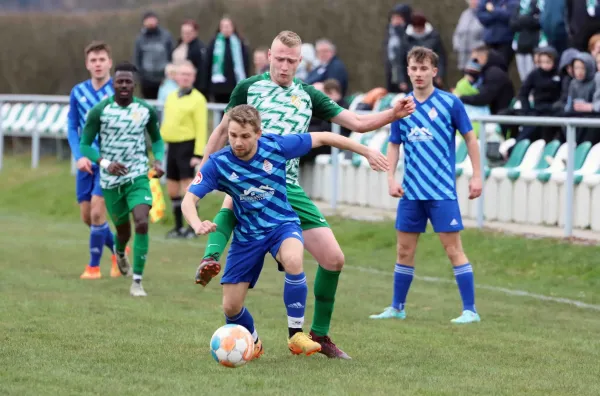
x=525, y=8
x=218, y=59
x=592, y=7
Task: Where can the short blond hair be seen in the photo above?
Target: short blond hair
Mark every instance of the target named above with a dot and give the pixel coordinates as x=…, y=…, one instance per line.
x=289, y=39
x=186, y=63
x=245, y=115
x=170, y=70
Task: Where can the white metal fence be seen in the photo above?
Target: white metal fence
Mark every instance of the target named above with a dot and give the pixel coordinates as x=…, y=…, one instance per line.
x=569, y=123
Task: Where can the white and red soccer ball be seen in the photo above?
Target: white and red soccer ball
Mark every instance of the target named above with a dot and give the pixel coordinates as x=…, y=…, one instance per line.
x=232, y=345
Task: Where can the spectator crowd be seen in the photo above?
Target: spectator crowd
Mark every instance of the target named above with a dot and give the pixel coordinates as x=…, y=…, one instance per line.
x=555, y=45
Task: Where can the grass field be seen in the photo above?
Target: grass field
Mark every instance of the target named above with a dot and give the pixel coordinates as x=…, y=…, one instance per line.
x=61, y=335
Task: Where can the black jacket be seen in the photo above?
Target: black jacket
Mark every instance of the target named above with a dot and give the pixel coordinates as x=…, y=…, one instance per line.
x=197, y=55
x=546, y=89
x=224, y=88
x=528, y=28
x=496, y=89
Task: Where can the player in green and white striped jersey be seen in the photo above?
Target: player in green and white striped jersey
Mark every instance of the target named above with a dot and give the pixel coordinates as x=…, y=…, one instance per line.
x=286, y=106
x=121, y=122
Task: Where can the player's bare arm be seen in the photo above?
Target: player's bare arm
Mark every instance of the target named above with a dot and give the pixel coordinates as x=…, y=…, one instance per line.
x=393, y=153
x=188, y=207
x=370, y=122
x=377, y=160
x=475, y=184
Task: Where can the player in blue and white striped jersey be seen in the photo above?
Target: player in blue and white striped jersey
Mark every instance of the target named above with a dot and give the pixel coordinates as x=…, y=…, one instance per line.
x=84, y=96
x=428, y=190
x=252, y=171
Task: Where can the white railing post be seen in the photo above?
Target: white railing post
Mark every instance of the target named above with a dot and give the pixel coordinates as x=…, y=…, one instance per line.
x=35, y=138
x=483, y=160
x=335, y=128
x=1, y=135
x=216, y=119
x=571, y=142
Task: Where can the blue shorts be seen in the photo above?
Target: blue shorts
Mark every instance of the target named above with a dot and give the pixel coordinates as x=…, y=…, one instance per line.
x=87, y=185
x=412, y=216
x=245, y=259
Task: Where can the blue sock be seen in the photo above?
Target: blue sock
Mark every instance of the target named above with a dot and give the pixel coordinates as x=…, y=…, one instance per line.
x=96, y=244
x=295, y=291
x=109, y=238
x=244, y=319
x=403, y=277
x=466, y=286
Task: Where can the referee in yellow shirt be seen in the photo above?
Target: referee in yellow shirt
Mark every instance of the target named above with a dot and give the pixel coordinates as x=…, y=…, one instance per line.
x=184, y=129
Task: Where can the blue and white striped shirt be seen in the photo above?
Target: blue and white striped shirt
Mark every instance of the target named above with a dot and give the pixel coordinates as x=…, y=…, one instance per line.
x=257, y=186
x=428, y=136
x=83, y=98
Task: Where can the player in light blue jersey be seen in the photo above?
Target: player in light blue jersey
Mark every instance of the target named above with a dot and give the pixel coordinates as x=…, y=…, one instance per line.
x=252, y=171
x=428, y=190
x=84, y=96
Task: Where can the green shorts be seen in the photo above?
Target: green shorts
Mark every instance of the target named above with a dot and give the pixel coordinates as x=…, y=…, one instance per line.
x=121, y=200
x=310, y=216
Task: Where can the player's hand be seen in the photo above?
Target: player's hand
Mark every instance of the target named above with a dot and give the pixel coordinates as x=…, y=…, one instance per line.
x=117, y=169
x=195, y=161
x=84, y=165
x=395, y=189
x=378, y=161
x=404, y=107
x=475, y=187
x=205, y=227
x=158, y=170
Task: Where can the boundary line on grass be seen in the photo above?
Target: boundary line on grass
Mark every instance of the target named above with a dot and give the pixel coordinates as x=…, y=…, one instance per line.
x=430, y=279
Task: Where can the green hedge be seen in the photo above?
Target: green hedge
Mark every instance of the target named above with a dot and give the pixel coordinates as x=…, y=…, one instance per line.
x=42, y=53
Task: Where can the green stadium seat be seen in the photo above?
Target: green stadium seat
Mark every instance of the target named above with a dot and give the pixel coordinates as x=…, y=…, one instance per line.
x=581, y=153
x=49, y=118
x=461, y=151
x=11, y=117
x=38, y=116
x=59, y=127
x=4, y=110
x=365, y=140
x=17, y=127
x=550, y=150
x=384, y=103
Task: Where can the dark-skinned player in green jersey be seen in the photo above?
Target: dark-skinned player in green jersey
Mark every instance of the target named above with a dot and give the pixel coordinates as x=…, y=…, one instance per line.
x=121, y=122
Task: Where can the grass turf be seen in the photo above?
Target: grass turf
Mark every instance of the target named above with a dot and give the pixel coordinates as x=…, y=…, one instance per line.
x=61, y=335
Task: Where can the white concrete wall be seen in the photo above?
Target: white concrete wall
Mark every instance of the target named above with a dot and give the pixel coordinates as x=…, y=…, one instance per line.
x=525, y=201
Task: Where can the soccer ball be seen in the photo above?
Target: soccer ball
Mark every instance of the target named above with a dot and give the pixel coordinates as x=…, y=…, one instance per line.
x=232, y=345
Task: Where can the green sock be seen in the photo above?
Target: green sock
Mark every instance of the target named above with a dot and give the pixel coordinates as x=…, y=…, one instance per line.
x=140, y=250
x=225, y=221
x=119, y=247
x=325, y=287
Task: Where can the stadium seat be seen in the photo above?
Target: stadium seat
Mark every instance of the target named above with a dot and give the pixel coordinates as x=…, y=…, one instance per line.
x=24, y=116
x=558, y=165
x=461, y=157
x=527, y=161
x=590, y=163
x=4, y=110
x=504, y=186
x=364, y=140
x=377, y=143
x=59, y=127
x=550, y=150
x=15, y=112
x=49, y=118
x=355, y=102
x=384, y=102
x=38, y=116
